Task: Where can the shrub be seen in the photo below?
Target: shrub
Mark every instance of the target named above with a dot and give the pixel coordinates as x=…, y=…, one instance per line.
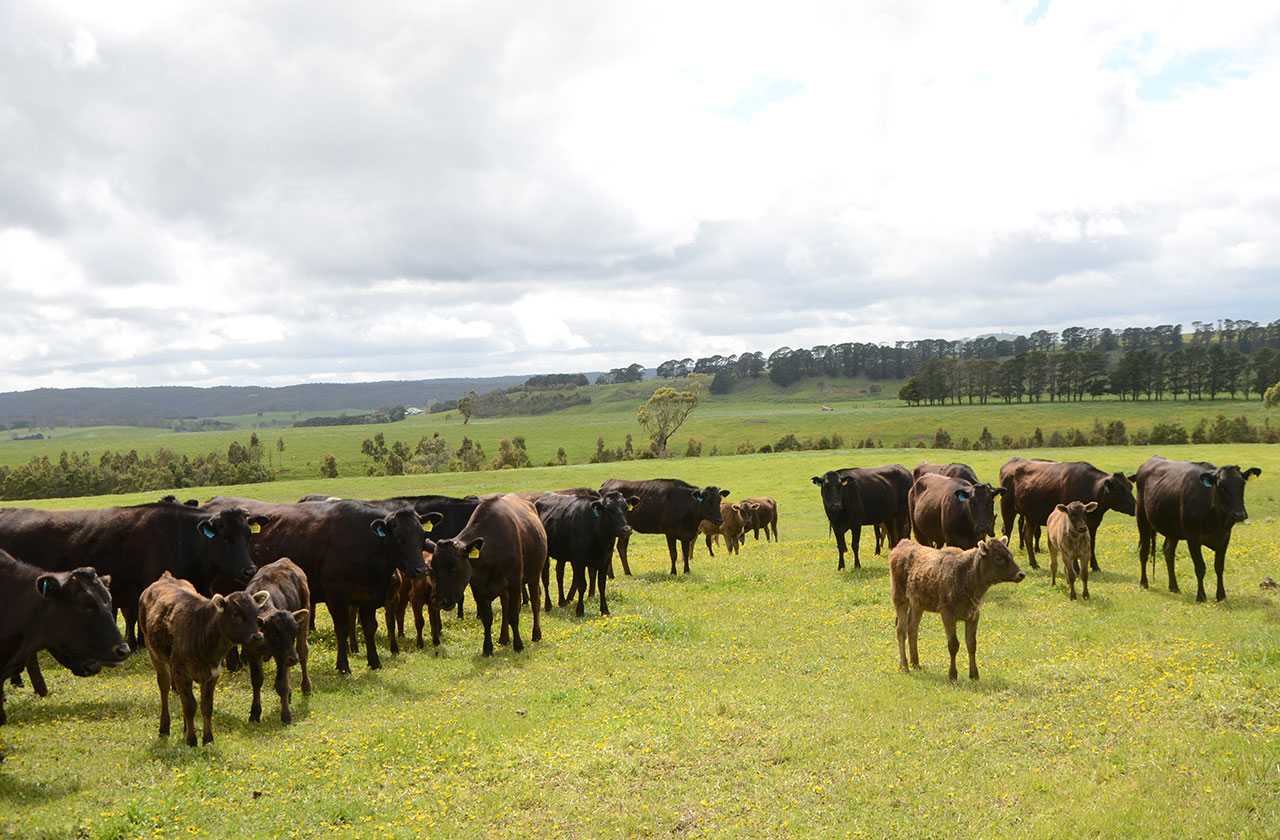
x=941, y=439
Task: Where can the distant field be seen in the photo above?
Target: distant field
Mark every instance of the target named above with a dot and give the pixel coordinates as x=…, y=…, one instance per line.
x=756, y=697
x=757, y=414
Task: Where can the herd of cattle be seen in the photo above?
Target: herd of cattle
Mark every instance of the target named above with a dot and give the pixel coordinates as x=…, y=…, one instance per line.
x=199, y=585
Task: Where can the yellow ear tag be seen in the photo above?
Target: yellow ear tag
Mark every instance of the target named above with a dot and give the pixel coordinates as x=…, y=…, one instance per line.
x=255, y=528
x=427, y=526
x=473, y=554
x=631, y=507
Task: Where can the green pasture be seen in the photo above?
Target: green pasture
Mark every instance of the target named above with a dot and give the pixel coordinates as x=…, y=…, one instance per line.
x=756, y=697
x=755, y=415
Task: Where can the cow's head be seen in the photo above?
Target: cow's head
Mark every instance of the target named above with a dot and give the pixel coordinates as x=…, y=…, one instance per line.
x=707, y=501
x=1077, y=514
x=402, y=536
x=451, y=566
x=226, y=534
x=611, y=511
x=1227, y=484
x=746, y=511
x=996, y=561
x=1117, y=494
x=832, y=485
x=979, y=502
x=238, y=616
x=81, y=629
x=280, y=632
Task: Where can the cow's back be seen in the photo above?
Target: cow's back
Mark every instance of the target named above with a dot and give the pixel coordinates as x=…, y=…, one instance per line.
x=666, y=505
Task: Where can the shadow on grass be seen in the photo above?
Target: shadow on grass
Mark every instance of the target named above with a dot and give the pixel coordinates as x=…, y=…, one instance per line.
x=89, y=711
x=18, y=789
x=988, y=684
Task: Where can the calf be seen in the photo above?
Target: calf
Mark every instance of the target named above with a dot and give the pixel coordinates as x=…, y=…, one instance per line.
x=951, y=511
x=502, y=549
x=392, y=611
x=187, y=637
x=284, y=621
x=763, y=516
x=1192, y=501
x=69, y=613
x=950, y=582
x=1068, y=528
x=733, y=528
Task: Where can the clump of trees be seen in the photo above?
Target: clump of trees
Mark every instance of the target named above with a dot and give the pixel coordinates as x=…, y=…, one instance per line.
x=383, y=415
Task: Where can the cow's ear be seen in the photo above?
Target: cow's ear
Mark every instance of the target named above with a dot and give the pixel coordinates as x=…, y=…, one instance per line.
x=845, y=481
x=817, y=479
x=724, y=494
x=48, y=586
x=379, y=527
x=595, y=508
x=755, y=506
x=1252, y=473
x=1133, y=479
x=431, y=520
x=1106, y=486
x=632, y=501
x=1063, y=508
x=207, y=528
x=219, y=602
x=1091, y=507
x=429, y=545
x=962, y=494
x=302, y=617
x=106, y=580
x=473, y=548
x=261, y=597
x=256, y=523
x=1208, y=479
x=1004, y=539
x=997, y=491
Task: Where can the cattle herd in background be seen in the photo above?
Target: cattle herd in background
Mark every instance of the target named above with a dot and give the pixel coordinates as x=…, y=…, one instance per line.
x=197, y=582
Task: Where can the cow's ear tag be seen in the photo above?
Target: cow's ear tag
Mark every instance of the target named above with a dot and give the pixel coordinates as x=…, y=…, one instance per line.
x=255, y=528
x=46, y=587
x=473, y=554
x=427, y=526
x=1207, y=482
x=596, y=511
x=631, y=507
x=699, y=497
x=207, y=530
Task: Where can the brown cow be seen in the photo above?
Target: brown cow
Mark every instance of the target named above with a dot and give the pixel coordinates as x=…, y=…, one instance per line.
x=284, y=621
x=735, y=516
x=954, y=470
x=1068, y=529
x=763, y=515
x=950, y=582
x=68, y=613
x=187, y=636
x=951, y=511
x=500, y=551
x=1192, y=501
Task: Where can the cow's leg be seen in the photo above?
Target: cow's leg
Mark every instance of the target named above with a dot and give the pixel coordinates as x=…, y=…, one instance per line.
x=1008, y=512
x=255, y=680
x=686, y=549
x=512, y=620
x=339, y=610
x=163, y=682
x=953, y=643
x=1219, y=564
x=136, y=641
x=1031, y=542
x=353, y=616
x=579, y=585
x=188, y=699
x=1197, y=558
x=560, y=581
x=391, y=629
x=206, y=710
x=879, y=532
x=303, y=647
x=1170, y=550
x=971, y=642
x=2, y=714
x=284, y=692
x=671, y=549
x=369, y=624
x=461, y=615
x=914, y=615
x=535, y=601
x=16, y=680
x=546, y=582
x=709, y=549
x=505, y=609
x=37, y=677
x=900, y=623
x=855, y=537
x=1093, y=543
x=604, y=606
x=607, y=572
x=622, y=544
x=484, y=610
x=1053, y=565
x=1146, y=542
x=1084, y=581
x=841, y=548
x=434, y=613
x=417, y=620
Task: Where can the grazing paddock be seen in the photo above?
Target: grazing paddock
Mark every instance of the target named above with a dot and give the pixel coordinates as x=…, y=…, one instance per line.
x=758, y=696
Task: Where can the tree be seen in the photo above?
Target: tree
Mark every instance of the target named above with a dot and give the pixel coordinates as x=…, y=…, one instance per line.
x=329, y=467
x=664, y=413
x=467, y=405
x=1272, y=397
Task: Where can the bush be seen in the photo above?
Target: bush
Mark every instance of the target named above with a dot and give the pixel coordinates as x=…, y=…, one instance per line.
x=693, y=450
x=941, y=439
x=329, y=467
x=1165, y=434
x=787, y=443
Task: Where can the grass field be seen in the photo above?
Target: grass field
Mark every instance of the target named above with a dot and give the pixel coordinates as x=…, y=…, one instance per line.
x=756, y=697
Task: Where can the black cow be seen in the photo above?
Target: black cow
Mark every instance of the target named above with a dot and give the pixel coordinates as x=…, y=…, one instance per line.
x=582, y=531
x=856, y=497
x=1034, y=488
x=1193, y=501
x=667, y=506
x=347, y=549
x=68, y=613
x=135, y=545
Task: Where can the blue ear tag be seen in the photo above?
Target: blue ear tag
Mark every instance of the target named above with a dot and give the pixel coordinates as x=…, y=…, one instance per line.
x=699, y=497
x=962, y=496
x=45, y=584
x=1207, y=483
x=207, y=530
x=596, y=511
x=380, y=529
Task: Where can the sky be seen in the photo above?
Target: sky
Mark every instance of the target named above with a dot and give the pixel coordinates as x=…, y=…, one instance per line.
x=271, y=193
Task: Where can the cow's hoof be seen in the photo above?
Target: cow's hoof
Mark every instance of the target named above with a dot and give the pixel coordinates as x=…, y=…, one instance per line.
x=191, y=740
x=255, y=715
x=208, y=739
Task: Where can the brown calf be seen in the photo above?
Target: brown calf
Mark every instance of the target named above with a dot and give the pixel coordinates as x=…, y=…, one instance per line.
x=950, y=582
x=187, y=636
x=284, y=621
x=1068, y=528
x=736, y=518
x=763, y=515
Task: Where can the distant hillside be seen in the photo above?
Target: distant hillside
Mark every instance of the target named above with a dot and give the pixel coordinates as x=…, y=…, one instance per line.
x=123, y=404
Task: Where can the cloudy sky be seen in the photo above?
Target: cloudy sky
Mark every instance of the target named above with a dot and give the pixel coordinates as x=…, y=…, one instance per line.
x=279, y=192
